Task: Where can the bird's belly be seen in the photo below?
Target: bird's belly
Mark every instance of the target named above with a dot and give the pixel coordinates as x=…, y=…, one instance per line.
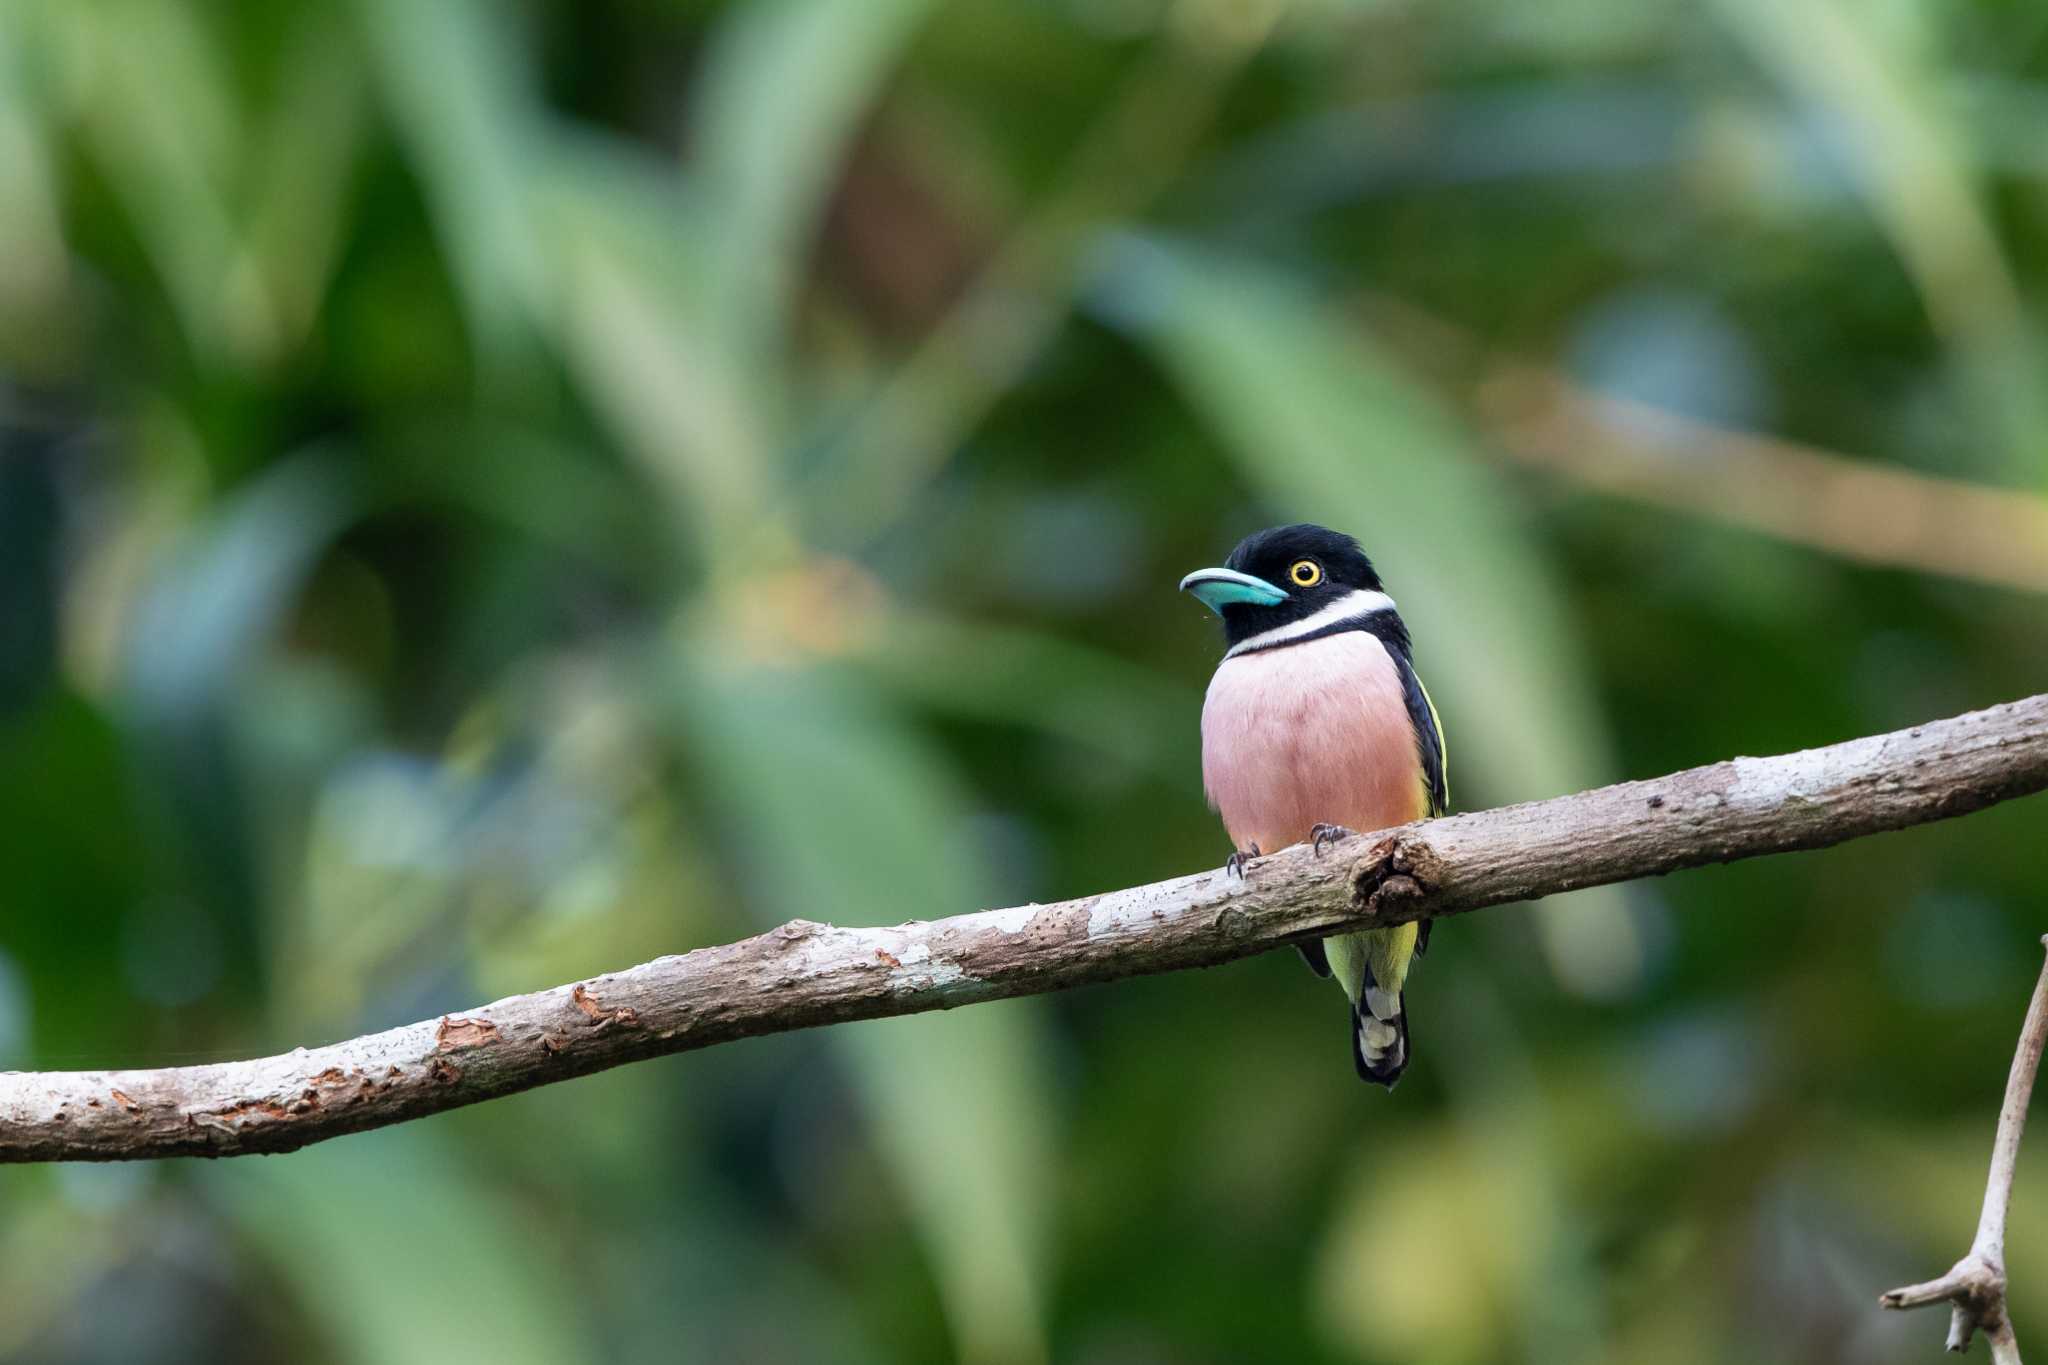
x=1307, y=734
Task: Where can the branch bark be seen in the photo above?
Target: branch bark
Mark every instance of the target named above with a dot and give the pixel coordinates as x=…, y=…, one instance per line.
x=803, y=974
x=1975, y=1286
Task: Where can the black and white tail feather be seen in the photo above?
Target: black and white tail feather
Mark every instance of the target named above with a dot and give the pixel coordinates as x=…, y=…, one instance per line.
x=1379, y=1034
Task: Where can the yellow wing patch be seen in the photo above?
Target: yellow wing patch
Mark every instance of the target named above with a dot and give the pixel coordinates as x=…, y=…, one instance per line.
x=1443, y=755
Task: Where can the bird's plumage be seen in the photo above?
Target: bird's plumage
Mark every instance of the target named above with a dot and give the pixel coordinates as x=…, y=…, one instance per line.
x=1308, y=735
x=1317, y=716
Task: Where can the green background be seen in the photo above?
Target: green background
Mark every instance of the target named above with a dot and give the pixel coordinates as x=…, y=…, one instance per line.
x=496, y=492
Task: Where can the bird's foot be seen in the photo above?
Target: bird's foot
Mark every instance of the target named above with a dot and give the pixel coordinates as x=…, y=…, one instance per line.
x=1235, y=865
x=1328, y=834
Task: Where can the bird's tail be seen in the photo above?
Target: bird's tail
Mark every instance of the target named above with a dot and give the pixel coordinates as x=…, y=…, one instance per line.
x=1379, y=1036
x=1373, y=967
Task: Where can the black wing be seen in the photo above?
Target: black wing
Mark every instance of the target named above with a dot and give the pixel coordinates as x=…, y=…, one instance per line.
x=1429, y=735
x=1429, y=738
x=1429, y=747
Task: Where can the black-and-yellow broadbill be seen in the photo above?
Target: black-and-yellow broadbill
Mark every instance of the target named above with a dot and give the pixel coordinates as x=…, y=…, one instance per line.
x=1316, y=722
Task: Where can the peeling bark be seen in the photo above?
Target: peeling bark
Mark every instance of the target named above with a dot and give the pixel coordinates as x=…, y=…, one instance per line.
x=804, y=974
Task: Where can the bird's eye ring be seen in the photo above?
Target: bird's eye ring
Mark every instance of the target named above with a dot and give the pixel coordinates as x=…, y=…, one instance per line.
x=1306, y=573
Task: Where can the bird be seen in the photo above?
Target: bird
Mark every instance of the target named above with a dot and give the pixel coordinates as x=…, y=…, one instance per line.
x=1315, y=725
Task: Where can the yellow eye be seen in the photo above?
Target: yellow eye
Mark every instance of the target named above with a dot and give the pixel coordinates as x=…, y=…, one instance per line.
x=1306, y=573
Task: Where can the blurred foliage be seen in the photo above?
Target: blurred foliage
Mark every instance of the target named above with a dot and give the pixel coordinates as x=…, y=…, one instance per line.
x=491, y=493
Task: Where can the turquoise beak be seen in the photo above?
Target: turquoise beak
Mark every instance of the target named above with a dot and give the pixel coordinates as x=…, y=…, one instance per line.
x=1220, y=588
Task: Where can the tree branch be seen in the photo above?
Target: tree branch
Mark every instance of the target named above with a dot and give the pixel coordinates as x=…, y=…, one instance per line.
x=803, y=974
x=1975, y=1285
x=1859, y=510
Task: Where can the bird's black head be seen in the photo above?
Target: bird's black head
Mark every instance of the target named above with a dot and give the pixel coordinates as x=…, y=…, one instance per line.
x=1288, y=576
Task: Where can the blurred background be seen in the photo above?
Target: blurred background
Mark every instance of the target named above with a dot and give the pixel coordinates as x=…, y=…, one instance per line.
x=495, y=492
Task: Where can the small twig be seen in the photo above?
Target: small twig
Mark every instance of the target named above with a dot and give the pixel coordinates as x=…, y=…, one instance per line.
x=1975, y=1286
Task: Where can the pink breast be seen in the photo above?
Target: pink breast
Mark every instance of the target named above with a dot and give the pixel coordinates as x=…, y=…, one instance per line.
x=1310, y=733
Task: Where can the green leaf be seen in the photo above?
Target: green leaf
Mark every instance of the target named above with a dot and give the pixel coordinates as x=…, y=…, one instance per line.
x=783, y=94
x=634, y=324
x=304, y=169
x=33, y=268
x=451, y=75
x=170, y=138
x=1913, y=160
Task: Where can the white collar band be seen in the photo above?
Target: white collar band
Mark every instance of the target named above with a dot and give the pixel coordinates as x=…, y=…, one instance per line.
x=1359, y=602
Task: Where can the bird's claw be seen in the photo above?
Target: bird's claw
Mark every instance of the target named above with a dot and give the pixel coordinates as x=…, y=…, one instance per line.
x=1235, y=864
x=1328, y=834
